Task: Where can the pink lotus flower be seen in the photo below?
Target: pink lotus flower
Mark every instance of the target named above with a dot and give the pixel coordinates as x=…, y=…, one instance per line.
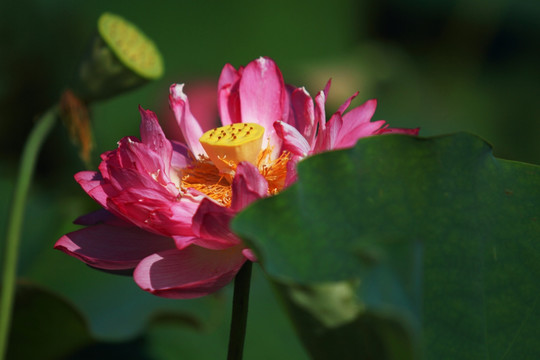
x=167, y=206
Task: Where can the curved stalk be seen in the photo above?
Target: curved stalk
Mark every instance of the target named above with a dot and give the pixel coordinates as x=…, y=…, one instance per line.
x=16, y=216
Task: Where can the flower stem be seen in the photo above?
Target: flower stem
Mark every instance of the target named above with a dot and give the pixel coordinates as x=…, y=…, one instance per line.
x=16, y=215
x=237, y=334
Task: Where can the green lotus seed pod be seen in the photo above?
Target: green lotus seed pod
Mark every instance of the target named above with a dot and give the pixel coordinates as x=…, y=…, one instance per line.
x=120, y=58
x=131, y=46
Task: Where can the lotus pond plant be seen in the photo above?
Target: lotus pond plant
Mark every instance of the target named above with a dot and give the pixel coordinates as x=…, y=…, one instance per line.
x=167, y=205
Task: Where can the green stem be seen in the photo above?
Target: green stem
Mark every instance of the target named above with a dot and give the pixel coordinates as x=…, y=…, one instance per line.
x=237, y=334
x=28, y=161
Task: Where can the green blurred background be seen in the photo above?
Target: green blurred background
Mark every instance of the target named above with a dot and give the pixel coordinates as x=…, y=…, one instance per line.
x=445, y=66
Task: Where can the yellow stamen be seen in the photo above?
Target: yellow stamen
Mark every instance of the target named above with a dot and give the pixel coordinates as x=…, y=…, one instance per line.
x=205, y=177
x=228, y=145
x=274, y=171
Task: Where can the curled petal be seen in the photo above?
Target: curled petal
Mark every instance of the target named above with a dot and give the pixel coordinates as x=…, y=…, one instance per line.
x=190, y=127
x=163, y=217
x=293, y=141
x=248, y=185
x=139, y=185
x=189, y=273
x=137, y=158
x=93, y=183
x=320, y=100
x=151, y=211
x=181, y=213
x=211, y=226
x=112, y=247
x=153, y=137
x=228, y=76
x=304, y=113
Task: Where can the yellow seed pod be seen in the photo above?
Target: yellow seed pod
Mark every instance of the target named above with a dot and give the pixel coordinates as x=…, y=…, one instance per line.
x=232, y=144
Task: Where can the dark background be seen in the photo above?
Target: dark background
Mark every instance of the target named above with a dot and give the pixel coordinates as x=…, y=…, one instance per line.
x=445, y=66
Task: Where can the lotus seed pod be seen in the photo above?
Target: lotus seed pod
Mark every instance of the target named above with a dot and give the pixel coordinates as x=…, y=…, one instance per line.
x=120, y=58
x=233, y=143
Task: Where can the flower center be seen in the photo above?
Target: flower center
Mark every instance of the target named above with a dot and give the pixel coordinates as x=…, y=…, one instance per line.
x=228, y=145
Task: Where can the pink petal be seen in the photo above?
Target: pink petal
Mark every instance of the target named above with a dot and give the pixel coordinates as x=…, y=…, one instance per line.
x=153, y=137
x=211, y=226
x=142, y=162
x=190, y=127
x=250, y=255
x=117, y=158
x=359, y=115
x=387, y=130
x=320, y=115
x=112, y=247
x=180, y=156
x=188, y=273
x=365, y=129
x=335, y=124
x=229, y=105
x=302, y=105
x=92, y=182
x=183, y=242
x=328, y=137
x=293, y=141
x=320, y=100
x=287, y=114
x=248, y=185
x=123, y=179
x=228, y=97
x=228, y=76
x=356, y=124
x=346, y=104
x=326, y=89
x=179, y=218
x=203, y=104
x=156, y=214
x=262, y=95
